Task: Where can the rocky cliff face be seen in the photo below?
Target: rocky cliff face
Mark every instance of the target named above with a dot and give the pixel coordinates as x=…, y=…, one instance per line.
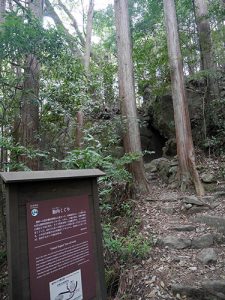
x=158, y=128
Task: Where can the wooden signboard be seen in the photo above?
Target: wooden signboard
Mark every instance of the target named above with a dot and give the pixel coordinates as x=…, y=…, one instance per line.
x=54, y=235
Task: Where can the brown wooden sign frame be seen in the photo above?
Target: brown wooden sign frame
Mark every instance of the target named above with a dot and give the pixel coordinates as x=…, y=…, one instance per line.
x=38, y=186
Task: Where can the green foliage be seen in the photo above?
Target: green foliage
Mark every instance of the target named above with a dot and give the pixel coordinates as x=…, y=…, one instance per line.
x=149, y=46
x=21, y=36
x=215, y=141
x=104, y=28
x=93, y=157
x=18, y=150
x=63, y=86
x=128, y=248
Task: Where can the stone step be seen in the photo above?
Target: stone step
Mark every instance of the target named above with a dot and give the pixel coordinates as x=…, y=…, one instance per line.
x=217, y=222
x=219, y=194
x=207, y=290
x=183, y=228
x=193, y=204
x=213, y=187
x=175, y=242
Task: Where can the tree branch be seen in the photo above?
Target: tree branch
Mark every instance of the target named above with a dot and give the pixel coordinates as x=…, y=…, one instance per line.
x=74, y=22
x=50, y=12
x=20, y=5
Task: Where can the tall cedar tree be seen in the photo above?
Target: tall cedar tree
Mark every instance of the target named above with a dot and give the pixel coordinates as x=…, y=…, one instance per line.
x=131, y=138
x=185, y=149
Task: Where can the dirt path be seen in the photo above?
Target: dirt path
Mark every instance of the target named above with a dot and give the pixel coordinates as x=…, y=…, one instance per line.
x=187, y=260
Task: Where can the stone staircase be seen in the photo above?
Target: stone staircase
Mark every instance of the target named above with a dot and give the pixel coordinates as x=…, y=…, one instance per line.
x=202, y=232
x=187, y=260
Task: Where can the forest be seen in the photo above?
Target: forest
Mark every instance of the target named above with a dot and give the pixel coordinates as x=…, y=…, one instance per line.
x=135, y=88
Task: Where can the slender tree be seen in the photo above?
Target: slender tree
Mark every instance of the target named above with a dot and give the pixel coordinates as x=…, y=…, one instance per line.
x=185, y=149
x=87, y=56
x=89, y=27
x=206, y=48
x=131, y=138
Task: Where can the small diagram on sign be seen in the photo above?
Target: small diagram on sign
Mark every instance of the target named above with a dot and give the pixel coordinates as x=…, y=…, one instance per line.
x=68, y=287
x=69, y=293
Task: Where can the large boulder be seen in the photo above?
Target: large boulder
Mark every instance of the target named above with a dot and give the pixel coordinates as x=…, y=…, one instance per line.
x=161, y=115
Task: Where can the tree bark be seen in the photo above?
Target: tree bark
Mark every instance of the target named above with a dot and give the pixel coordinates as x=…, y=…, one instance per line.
x=29, y=126
x=205, y=43
x=185, y=149
x=131, y=138
x=201, y=9
x=79, y=129
x=89, y=27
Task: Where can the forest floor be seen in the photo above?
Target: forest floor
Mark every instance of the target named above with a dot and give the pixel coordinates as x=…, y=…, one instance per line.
x=187, y=258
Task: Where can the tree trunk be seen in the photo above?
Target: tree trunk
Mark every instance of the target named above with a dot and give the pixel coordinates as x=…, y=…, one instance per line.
x=87, y=56
x=201, y=9
x=87, y=53
x=29, y=125
x=205, y=43
x=108, y=84
x=131, y=138
x=79, y=130
x=185, y=149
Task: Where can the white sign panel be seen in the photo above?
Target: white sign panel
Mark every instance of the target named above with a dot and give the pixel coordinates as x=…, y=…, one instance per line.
x=68, y=287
